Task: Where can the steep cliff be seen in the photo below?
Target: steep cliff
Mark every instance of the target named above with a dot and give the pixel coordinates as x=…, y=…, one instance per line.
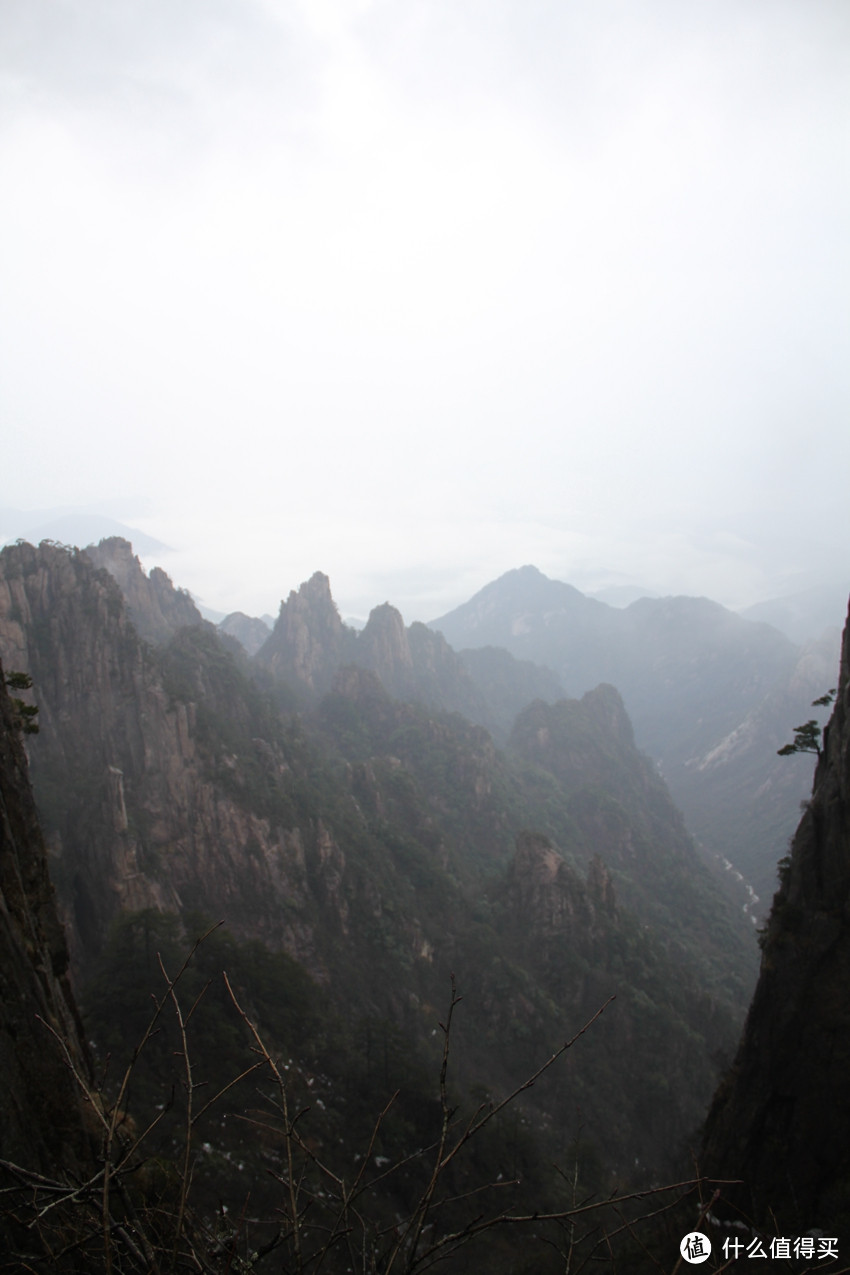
x=371, y=839
x=157, y=609
x=581, y=946
x=781, y=1118
x=617, y=803
x=309, y=641
x=542, y=885
x=152, y=781
x=415, y=664
x=42, y=1120
x=310, y=644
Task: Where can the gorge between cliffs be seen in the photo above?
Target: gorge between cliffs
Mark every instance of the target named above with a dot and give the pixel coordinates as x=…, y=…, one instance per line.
x=421, y=861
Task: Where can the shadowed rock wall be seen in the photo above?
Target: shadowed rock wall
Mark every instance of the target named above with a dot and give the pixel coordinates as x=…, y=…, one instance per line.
x=781, y=1119
x=41, y=1120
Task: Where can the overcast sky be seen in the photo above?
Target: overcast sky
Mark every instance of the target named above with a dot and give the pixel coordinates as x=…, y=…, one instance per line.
x=416, y=291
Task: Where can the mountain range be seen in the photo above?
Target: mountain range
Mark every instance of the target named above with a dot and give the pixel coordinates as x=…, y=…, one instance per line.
x=375, y=815
x=711, y=696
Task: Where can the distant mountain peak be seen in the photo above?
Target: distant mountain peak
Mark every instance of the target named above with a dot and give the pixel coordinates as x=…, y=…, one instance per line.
x=316, y=588
x=156, y=607
x=313, y=598
x=309, y=638
x=383, y=644
x=528, y=578
x=521, y=603
x=529, y=572
x=249, y=631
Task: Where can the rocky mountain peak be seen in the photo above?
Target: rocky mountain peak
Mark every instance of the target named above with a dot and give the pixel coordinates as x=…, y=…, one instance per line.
x=156, y=608
x=383, y=644
x=309, y=640
x=606, y=703
x=317, y=592
x=536, y=858
x=511, y=607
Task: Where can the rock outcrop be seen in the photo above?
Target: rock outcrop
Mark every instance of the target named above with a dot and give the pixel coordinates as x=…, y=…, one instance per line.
x=146, y=797
x=620, y=810
x=416, y=664
x=781, y=1119
x=368, y=838
x=309, y=641
x=310, y=644
x=544, y=887
x=42, y=1125
x=157, y=609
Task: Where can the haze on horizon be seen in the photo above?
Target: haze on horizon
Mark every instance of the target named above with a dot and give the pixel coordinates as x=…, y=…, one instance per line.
x=414, y=292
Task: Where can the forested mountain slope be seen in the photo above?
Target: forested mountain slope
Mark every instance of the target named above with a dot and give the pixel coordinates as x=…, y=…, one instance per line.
x=712, y=697
x=361, y=848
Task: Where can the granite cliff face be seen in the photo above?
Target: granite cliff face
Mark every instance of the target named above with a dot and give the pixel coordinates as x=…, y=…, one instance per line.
x=372, y=839
x=157, y=609
x=415, y=664
x=544, y=887
x=781, y=1119
x=42, y=1123
x=310, y=644
x=630, y=820
x=579, y=943
x=141, y=806
x=309, y=641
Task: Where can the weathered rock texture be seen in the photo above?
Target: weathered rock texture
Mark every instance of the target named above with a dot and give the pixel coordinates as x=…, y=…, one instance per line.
x=368, y=838
x=309, y=641
x=588, y=746
x=544, y=887
x=781, y=1119
x=144, y=801
x=157, y=609
x=41, y=1119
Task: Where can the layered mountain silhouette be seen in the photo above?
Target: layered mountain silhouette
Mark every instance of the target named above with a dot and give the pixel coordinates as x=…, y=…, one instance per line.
x=712, y=697
x=373, y=812
x=324, y=801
